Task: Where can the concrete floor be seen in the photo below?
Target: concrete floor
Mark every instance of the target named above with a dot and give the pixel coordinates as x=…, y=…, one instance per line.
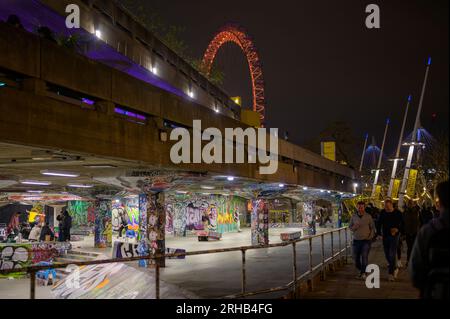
x=213, y=275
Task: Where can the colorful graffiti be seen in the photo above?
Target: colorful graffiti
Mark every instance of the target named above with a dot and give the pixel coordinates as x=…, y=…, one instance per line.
x=103, y=225
x=142, y=216
x=190, y=213
x=15, y=256
x=156, y=219
x=129, y=210
x=260, y=223
x=82, y=213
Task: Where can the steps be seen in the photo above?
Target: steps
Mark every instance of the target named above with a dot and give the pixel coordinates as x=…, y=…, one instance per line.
x=74, y=256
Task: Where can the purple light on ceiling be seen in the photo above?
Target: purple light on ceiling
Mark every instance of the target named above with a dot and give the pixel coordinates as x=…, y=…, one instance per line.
x=87, y=101
x=32, y=14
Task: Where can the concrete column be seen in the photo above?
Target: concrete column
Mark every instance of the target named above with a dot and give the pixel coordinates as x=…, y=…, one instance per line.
x=260, y=223
x=103, y=225
x=156, y=224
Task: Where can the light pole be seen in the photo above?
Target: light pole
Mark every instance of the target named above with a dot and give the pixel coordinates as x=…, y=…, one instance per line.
x=397, y=158
x=363, y=153
x=377, y=170
x=413, y=140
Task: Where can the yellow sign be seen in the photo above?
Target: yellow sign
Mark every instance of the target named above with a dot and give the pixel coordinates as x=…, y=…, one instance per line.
x=395, y=188
x=411, y=186
x=250, y=117
x=328, y=150
x=377, y=192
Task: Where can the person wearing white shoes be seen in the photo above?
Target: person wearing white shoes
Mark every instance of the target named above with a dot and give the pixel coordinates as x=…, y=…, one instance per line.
x=363, y=229
x=390, y=226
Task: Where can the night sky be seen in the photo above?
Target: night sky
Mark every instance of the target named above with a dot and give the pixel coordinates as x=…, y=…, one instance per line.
x=321, y=64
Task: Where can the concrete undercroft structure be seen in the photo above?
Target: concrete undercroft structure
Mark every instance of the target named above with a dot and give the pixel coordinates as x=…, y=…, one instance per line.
x=101, y=115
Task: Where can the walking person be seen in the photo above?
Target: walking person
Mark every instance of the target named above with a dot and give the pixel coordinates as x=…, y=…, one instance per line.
x=390, y=227
x=429, y=264
x=60, y=218
x=67, y=225
x=411, y=220
x=363, y=229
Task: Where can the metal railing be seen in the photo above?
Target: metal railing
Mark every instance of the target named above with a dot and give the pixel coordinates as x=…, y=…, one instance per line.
x=296, y=278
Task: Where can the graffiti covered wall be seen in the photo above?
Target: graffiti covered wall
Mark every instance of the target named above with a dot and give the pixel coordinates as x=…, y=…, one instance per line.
x=103, y=225
x=260, y=223
x=188, y=213
x=82, y=213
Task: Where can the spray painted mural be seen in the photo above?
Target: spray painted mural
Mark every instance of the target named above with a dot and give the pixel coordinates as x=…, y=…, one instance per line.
x=103, y=225
x=260, y=223
x=125, y=217
x=188, y=213
x=82, y=213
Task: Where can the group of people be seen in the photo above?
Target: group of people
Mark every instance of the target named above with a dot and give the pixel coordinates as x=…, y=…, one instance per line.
x=39, y=230
x=425, y=232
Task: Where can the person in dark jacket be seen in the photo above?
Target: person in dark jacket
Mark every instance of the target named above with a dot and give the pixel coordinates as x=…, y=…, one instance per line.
x=426, y=215
x=46, y=231
x=422, y=263
x=390, y=226
x=412, y=225
x=66, y=225
x=59, y=218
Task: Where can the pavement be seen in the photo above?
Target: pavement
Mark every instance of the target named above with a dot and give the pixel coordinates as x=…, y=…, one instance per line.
x=219, y=274
x=342, y=284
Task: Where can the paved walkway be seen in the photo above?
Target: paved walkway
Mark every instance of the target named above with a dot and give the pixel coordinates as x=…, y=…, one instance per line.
x=342, y=284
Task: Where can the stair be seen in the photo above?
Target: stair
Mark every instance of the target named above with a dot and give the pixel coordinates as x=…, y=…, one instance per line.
x=74, y=256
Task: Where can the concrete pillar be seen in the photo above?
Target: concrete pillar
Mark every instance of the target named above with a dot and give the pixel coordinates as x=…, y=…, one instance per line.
x=156, y=224
x=260, y=223
x=103, y=225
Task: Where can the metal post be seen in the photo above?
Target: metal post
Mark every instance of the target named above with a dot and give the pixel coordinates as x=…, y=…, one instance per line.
x=310, y=255
x=157, y=280
x=340, y=246
x=294, y=268
x=332, y=245
x=363, y=153
x=414, y=136
x=322, y=241
x=32, y=285
x=346, y=245
x=397, y=152
x=243, y=277
x=377, y=171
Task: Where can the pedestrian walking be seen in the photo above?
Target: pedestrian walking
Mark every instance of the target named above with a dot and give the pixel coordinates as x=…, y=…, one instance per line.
x=363, y=229
x=390, y=227
x=411, y=220
x=429, y=264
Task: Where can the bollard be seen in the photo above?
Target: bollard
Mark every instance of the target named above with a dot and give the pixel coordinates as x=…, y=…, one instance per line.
x=243, y=277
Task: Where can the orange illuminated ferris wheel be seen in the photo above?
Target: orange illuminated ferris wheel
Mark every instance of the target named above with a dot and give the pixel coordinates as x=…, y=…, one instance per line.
x=236, y=34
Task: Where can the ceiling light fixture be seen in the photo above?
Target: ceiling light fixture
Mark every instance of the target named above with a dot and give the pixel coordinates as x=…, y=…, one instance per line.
x=59, y=173
x=80, y=185
x=31, y=182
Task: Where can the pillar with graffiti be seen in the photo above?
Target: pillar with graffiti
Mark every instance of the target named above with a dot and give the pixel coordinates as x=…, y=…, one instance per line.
x=103, y=224
x=156, y=220
x=260, y=222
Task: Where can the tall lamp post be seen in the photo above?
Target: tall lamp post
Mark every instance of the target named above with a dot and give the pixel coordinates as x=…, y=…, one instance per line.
x=397, y=158
x=413, y=139
x=378, y=169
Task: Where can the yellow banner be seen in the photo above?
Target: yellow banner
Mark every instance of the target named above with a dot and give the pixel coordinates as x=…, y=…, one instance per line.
x=329, y=150
x=377, y=192
x=411, y=187
x=395, y=188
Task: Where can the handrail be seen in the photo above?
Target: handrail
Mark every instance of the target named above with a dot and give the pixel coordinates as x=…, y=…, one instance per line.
x=311, y=269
